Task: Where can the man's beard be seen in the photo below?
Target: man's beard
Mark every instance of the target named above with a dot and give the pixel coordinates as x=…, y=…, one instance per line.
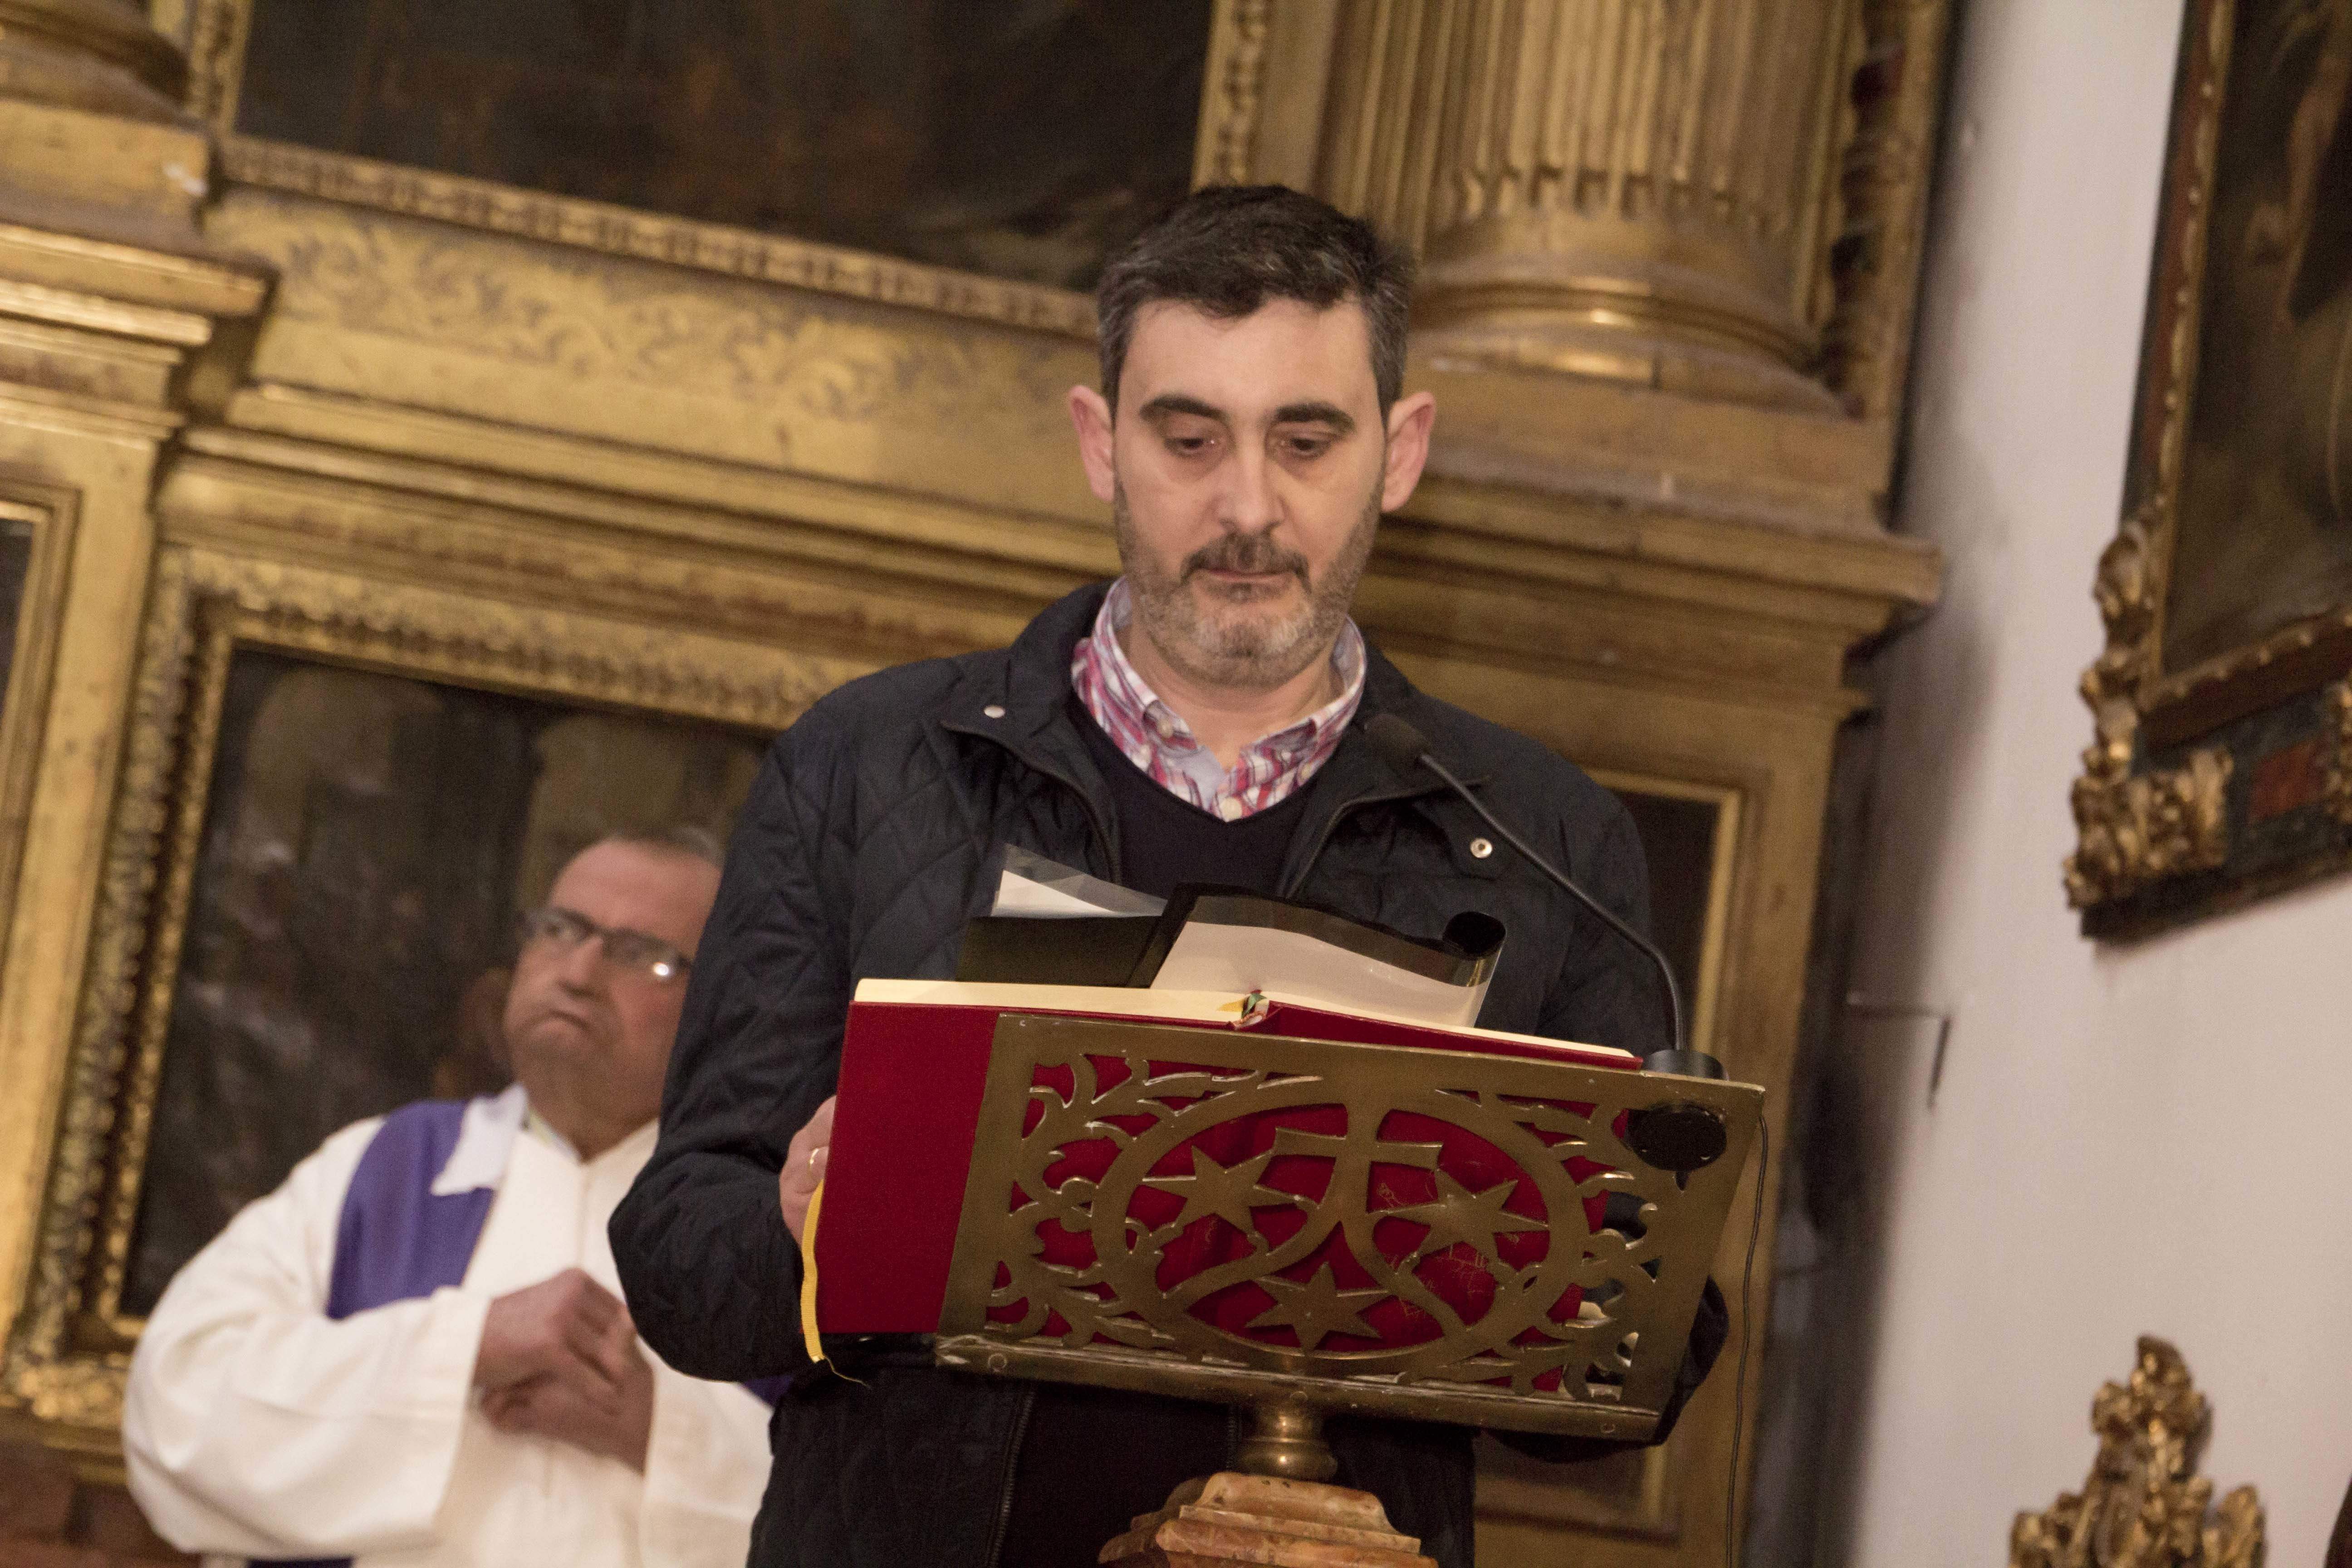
x=1252, y=652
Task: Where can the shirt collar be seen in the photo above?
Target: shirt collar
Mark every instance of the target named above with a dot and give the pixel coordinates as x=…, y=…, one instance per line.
x=1122, y=689
x=486, y=1140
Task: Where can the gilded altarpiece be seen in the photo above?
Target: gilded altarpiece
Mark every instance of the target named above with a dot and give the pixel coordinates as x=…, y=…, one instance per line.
x=445, y=424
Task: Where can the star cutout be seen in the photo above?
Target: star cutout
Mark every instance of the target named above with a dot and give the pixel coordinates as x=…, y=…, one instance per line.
x=1460, y=1214
x=1316, y=1309
x=1226, y=1191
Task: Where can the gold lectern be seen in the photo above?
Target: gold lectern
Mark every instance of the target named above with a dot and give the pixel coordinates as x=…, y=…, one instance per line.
x=1307, y=1226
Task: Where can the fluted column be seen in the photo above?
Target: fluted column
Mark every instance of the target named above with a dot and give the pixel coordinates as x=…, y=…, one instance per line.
x=1637, y=189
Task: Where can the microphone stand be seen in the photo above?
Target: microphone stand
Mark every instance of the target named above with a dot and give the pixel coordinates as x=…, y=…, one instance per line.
x=1404, y=744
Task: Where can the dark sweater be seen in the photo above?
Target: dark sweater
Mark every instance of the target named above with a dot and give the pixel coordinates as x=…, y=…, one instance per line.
x=1094, y=1459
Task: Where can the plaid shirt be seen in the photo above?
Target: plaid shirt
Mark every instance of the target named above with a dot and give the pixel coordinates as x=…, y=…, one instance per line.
x=1269, y=770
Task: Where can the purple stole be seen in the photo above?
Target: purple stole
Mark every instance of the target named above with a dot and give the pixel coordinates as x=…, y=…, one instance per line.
x=398, y=1240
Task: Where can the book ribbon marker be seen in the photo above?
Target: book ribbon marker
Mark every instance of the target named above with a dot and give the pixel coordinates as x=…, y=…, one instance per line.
x=808, y=1279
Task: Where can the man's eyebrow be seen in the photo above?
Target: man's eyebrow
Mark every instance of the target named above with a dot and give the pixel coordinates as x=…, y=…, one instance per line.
x=1170, y=402
x=1316, y=413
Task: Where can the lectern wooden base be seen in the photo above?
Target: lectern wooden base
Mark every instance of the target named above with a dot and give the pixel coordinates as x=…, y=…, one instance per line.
x=1227, y=1520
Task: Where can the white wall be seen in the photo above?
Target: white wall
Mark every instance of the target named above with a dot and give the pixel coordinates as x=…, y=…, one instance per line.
x=2156, y=1139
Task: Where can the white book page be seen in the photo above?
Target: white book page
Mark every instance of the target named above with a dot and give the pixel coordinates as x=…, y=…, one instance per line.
x=1208, y=957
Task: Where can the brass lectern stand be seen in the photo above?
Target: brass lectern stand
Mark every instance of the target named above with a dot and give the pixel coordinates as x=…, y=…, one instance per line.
x=1304, y=1227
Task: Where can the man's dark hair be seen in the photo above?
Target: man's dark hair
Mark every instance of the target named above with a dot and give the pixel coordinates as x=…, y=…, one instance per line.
x=1225, y=250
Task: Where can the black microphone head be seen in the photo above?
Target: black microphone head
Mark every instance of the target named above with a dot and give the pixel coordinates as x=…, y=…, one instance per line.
x=1399, y=744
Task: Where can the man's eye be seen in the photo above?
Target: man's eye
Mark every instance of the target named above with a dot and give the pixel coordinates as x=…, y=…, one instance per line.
x=1190, y=445
x=1306, y=446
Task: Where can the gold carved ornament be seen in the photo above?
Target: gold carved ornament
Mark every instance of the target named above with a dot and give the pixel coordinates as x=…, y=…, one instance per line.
x=2136, y=829
x=2143, y=1505
x=1380, y=1230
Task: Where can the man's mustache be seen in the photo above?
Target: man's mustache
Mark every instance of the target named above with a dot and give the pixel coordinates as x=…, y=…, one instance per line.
x=1253, y=554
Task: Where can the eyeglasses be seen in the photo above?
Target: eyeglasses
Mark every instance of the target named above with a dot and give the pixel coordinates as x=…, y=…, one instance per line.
x=624, y=949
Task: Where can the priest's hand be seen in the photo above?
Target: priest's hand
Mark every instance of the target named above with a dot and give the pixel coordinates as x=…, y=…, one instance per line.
x=560, y=1360
x=614, y=1420
x=567, y=1326
x=804, y=1167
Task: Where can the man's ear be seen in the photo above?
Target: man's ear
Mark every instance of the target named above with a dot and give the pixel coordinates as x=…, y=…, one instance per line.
x=1409, y=422
x=1091, y=416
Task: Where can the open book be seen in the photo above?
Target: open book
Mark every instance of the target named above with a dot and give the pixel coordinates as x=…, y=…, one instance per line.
x=1055, y=925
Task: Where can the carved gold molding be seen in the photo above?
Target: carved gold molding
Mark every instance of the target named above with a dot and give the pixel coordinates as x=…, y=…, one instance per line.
x=2143, y=1505
x=2137, y=829
x=216, y=35
x=1874, y=261
x=65, y=1358
x=2142, y=829
x=623, y=231
x=1224, y=151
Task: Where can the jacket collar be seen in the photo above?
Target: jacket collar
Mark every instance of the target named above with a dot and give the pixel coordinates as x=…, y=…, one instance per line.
x=1019, y=698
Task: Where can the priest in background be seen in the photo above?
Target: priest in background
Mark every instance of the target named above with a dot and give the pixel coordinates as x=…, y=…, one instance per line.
x=414, y=1351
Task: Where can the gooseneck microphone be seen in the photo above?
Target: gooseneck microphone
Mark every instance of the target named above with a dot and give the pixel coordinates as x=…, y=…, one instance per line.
x=1679, y=1137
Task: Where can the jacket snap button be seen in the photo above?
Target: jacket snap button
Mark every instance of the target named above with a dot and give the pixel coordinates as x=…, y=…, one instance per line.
x=1480, y=848
x=993, y=711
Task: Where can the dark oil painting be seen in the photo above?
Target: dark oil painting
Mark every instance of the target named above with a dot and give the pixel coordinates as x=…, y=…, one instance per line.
x=15, y=563
x=1023, y=139
x=369, y=843
x=2263, y=532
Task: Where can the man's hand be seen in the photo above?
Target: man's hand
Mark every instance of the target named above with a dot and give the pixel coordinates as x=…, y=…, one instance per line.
x=615, y=1421
x=804, y=1168
x=568, y=1327
x=560, y=1359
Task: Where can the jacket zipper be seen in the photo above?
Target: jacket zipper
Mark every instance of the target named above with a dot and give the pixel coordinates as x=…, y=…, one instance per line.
x=1290, y=888
x=1012, y=1474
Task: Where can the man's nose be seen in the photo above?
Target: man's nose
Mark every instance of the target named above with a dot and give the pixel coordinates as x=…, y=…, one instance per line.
x=1248, y=502
x=581, y=965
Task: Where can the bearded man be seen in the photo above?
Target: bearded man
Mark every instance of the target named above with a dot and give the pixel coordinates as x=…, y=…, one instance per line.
x=413, y=1352
x=1199, y=720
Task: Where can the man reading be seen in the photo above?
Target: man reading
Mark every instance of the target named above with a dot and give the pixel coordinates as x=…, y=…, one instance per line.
x=413, y=1351
x=1199, y=720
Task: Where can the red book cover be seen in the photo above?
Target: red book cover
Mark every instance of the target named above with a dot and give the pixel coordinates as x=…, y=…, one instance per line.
x=914, y=1067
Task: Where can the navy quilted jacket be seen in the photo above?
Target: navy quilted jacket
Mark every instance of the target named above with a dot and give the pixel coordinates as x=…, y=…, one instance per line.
x=862, y=851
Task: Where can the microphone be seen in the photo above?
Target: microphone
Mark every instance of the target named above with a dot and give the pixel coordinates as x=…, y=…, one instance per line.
x=1681, y=1137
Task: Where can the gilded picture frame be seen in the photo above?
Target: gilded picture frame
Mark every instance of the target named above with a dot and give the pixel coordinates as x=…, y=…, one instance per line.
x=67, y=1357
x=2220, y=769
